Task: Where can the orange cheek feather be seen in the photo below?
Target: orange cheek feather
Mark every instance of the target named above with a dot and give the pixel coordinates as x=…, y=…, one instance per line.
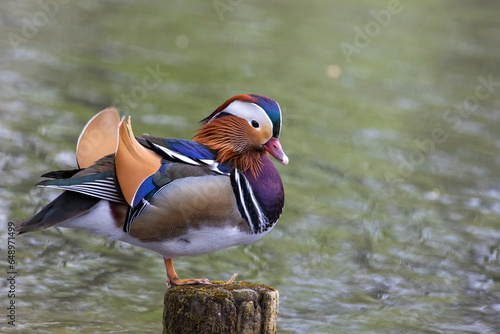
x=258, y=137
x=235, y=140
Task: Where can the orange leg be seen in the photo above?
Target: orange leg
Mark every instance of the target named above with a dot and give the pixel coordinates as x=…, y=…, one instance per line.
x=173, y=280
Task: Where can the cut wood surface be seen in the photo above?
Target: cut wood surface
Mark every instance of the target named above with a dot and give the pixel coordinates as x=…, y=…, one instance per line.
x=239, y=307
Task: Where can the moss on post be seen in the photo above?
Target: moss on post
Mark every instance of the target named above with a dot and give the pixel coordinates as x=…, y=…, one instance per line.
x=239, y=307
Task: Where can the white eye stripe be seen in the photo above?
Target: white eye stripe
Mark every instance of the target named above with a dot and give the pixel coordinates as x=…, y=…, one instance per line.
x=249, y=112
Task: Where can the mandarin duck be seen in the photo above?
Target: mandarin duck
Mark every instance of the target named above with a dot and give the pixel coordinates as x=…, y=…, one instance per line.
x=175, y=197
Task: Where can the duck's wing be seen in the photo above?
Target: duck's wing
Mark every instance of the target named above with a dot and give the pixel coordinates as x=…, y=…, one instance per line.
x=187, y=173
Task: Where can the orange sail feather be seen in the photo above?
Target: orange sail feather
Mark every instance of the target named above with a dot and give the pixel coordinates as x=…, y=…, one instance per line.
x=133, y=162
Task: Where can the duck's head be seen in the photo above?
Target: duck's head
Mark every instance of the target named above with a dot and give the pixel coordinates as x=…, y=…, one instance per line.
x=242, y=129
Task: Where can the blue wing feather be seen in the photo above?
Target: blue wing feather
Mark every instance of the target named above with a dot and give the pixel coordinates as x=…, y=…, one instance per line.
x=186, y=151
x=191, y=149
x=145, y=188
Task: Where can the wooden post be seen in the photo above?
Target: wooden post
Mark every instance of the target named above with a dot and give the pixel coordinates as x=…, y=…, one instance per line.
x=235, y=308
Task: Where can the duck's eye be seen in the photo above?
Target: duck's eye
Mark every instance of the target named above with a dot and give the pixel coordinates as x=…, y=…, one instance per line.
x=255, y=124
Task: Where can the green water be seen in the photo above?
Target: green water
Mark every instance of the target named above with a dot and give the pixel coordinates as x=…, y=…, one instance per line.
x=391, y=122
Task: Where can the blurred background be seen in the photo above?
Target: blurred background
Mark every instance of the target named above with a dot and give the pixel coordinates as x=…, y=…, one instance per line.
x=391, y=119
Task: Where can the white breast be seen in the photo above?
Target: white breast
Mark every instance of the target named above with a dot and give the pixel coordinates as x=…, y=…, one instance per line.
x=197, y=241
